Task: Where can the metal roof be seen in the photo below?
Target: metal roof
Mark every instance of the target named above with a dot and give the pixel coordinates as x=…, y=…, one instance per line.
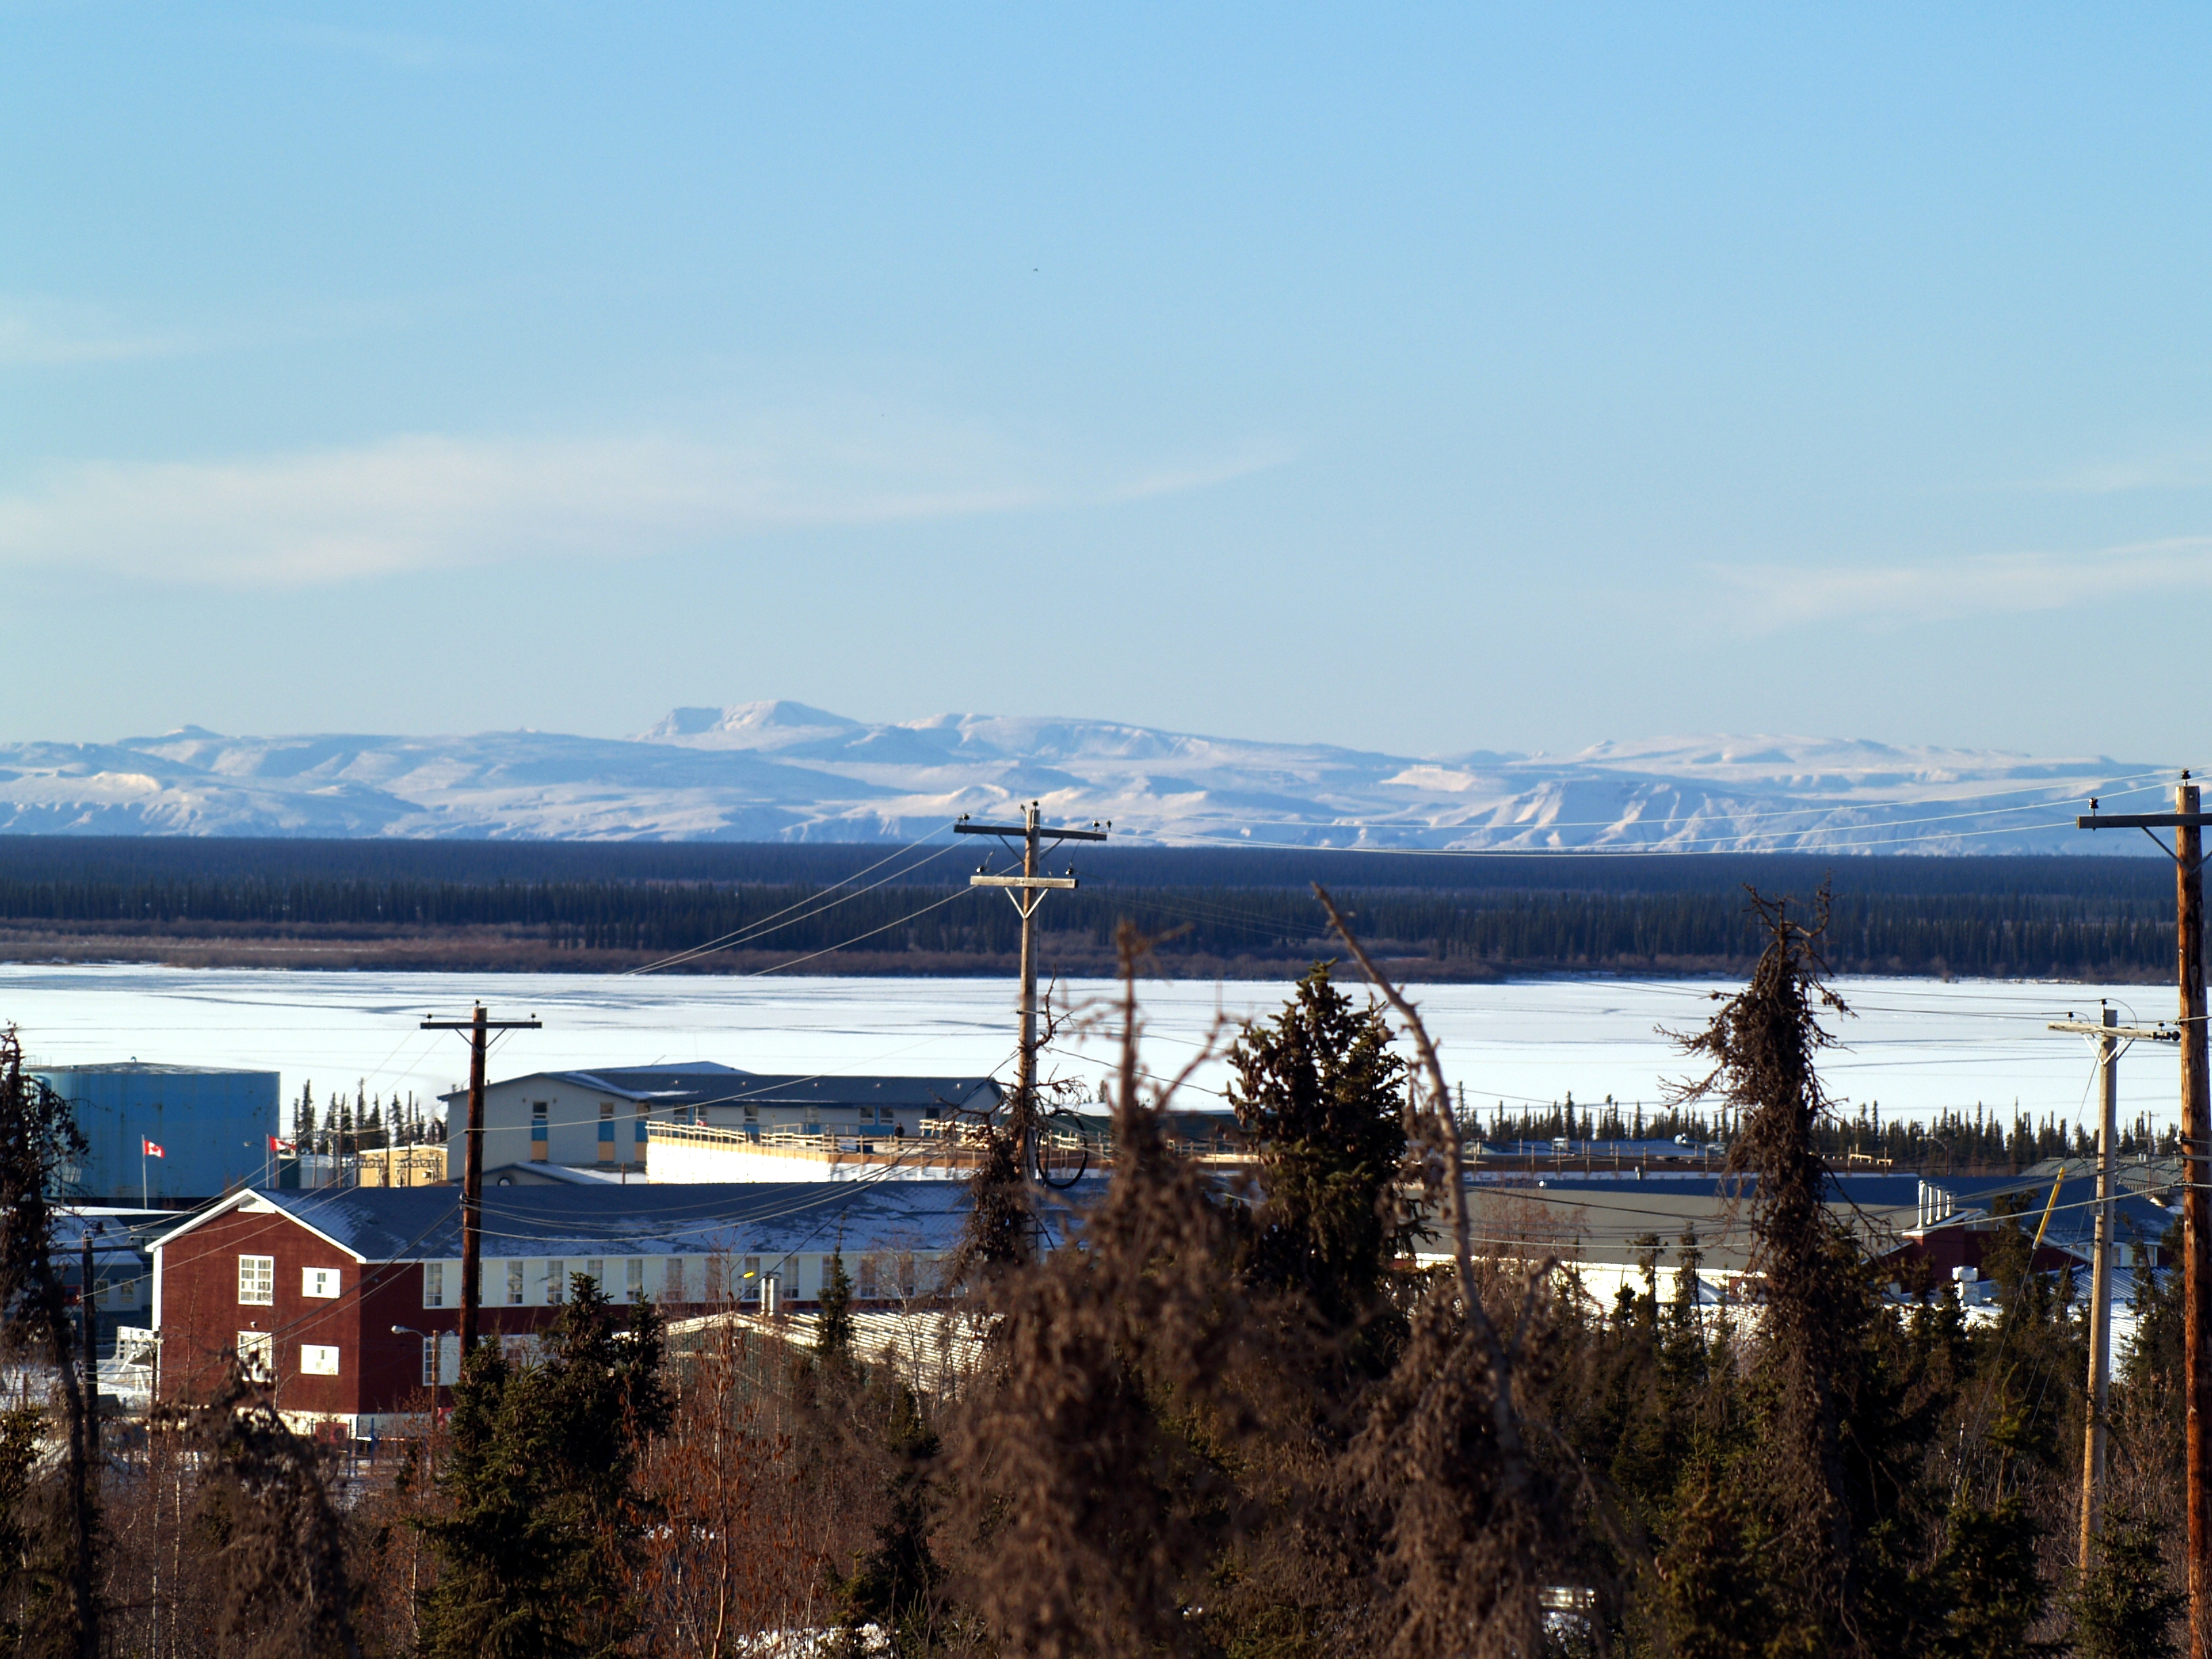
x=145, y=1068
x=861, y=1091
x=1844, y=1187
x=2073, y=1213
x=416, y=1224
x=705, y=1083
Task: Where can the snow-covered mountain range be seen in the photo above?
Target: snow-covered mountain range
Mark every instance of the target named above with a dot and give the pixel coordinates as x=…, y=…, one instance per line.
x=781, y=771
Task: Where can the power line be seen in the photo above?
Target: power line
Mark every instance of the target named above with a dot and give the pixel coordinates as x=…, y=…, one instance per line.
x=769, y=923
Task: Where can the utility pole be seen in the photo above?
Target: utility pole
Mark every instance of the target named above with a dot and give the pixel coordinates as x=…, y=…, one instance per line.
x=2112, y=1040
x=2187, y=821
x=478, y=1028
x=1028, y=890
x=87, y=1303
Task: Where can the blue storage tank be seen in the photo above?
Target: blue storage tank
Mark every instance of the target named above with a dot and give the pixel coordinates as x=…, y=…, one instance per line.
x=213, y=1128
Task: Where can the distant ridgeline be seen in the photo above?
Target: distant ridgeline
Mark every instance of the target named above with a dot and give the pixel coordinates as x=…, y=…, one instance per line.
x=600, y=906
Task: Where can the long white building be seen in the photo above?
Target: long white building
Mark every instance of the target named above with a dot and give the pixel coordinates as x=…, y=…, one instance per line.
x=603, y=1119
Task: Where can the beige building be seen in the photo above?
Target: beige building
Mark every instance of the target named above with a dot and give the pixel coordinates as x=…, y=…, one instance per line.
x=603, y=1119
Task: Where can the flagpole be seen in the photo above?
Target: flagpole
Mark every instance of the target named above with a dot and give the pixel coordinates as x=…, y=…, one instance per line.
x=143, y=1202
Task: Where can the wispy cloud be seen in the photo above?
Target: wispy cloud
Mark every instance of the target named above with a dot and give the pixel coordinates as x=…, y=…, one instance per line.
x=415, y=502
x=1977, y=585
x=45, y=332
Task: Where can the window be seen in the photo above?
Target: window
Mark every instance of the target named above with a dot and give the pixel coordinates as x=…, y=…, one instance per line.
x=317, y=1359
x=633, y=1280
x=718, y=1277
x=752, y=1113
x=866, y=1289
x=671, y=1279
x=540, y=1131
x=515, y=1284
x=748, y=1290
x=557, y=1282
x=257, y=1354
x=606, y=1131
x=596, y=1270
x=441, y=1359
x=433, y=1284
x=318, y=1281
x=256, y=1279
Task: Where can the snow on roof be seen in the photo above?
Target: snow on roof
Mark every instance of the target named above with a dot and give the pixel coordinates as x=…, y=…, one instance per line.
x=705, y=1083
x=416, y=1224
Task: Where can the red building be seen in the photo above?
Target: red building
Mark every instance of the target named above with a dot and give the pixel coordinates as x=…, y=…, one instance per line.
x=348, y=1298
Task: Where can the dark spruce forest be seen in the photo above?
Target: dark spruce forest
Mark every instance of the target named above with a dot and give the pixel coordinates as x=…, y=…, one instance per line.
x=868, y=908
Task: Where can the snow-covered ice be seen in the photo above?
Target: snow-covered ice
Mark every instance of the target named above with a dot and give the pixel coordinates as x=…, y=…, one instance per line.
x=1915, y=1045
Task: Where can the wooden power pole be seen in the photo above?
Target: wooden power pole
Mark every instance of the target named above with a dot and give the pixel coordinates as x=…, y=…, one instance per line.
x=2187, y=821
x=478, y=1029
x=1028, y=890
x=2112, y=1040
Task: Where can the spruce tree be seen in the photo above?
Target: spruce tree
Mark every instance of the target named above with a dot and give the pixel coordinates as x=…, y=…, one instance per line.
x=2126, y=1605
x=543, y=1517
x=834, y=1331
x=1320, y=1092
x=50, y=1600
x=896, y=1587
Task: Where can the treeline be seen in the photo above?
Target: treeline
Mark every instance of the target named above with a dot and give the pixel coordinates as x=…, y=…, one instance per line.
x=2111, y=931
x=1952, y=1142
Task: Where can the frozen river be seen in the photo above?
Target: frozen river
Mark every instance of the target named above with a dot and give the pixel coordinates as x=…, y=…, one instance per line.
x=1915, y=1045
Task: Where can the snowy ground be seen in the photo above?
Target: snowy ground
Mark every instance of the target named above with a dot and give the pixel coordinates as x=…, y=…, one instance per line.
x=1915, y=1045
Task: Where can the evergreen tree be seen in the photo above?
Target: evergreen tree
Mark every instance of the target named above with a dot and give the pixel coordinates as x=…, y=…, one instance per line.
x=50, y=1601
x=1988, y=1587
x=280, y=1566
x=1320, y=1092
x=2126, y=1605
x=542, y=1521
x=834, y=1330
x=896, y=1586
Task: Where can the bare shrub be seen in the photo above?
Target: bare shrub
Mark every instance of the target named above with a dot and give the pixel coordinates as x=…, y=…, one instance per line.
x=274, y=1543
x=1087, y=1486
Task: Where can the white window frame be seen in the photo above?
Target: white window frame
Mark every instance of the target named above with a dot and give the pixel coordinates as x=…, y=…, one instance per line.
x=671, y=1279
x=257, y=1281
x=557, y=1282
x=634, y=1279
x=433, y=1284
x=257, y=1354
x=441, y=1359
x=319, y=1359
x=515, y=1291
x=320, y=1282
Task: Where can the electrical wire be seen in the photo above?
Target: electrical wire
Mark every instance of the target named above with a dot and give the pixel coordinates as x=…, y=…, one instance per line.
x=771, y=923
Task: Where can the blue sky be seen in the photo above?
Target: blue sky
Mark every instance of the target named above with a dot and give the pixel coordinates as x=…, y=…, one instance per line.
x=1421, y=380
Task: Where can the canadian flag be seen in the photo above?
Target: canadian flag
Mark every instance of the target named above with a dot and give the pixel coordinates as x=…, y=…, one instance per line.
x=283, y=1147
x=153, y=1150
